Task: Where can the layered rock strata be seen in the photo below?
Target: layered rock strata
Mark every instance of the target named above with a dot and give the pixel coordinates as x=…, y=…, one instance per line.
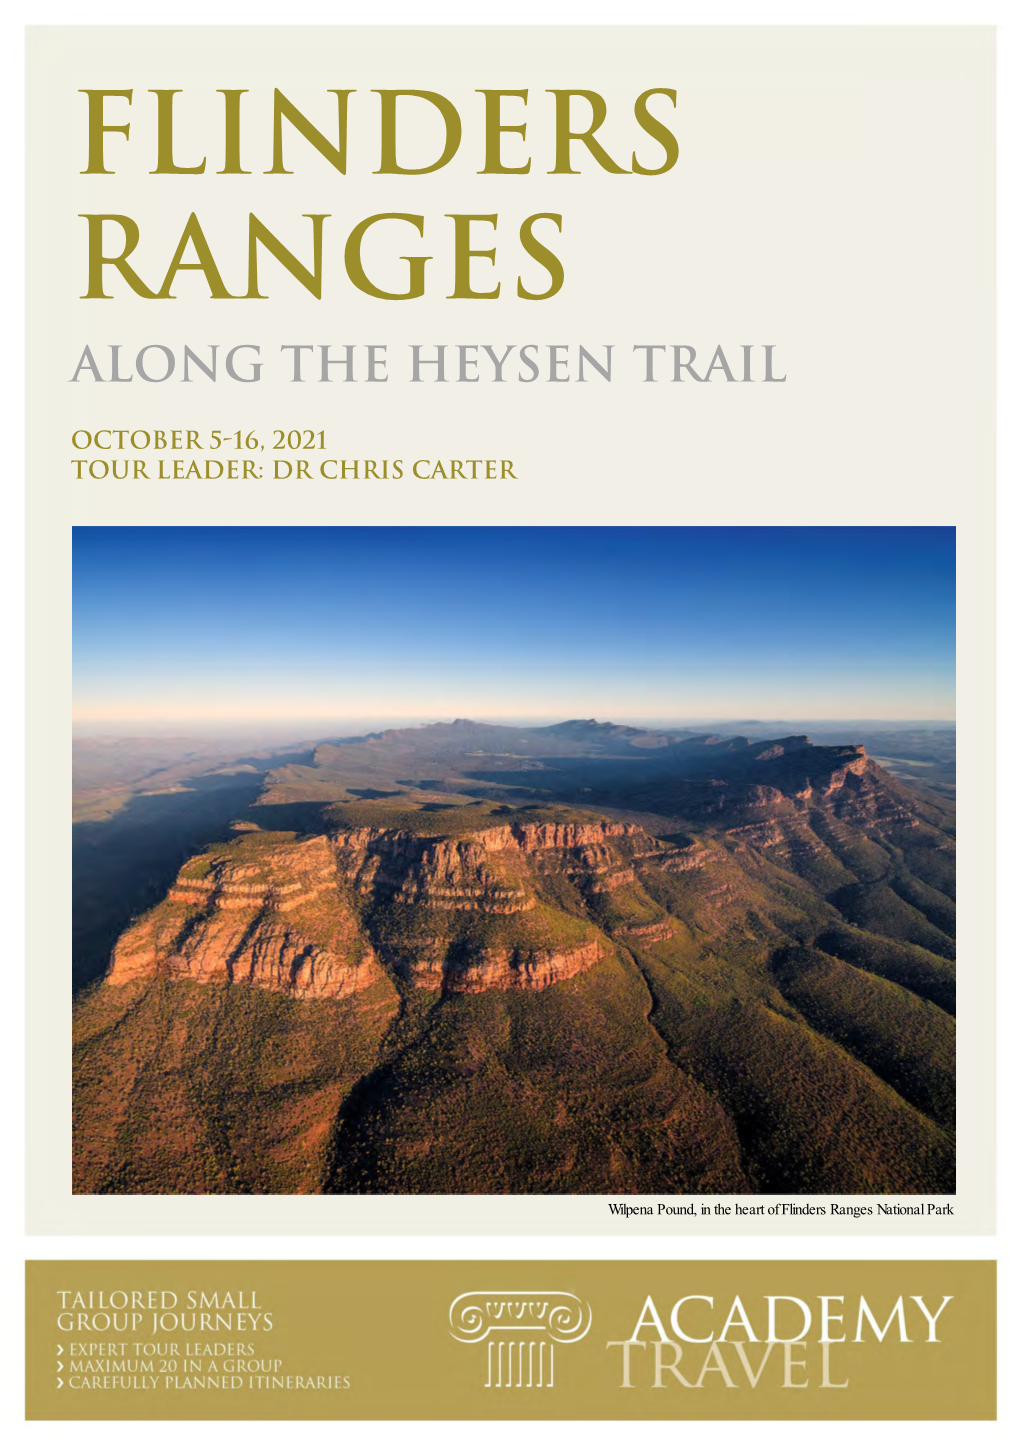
x=646, y=933
x=325, y=916
x=285, y=914
x=494, y=968
x=273, y=919
x=487, y=871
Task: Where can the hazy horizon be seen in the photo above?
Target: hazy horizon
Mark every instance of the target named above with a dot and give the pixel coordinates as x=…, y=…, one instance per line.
x=305, y=728
x=321, y=628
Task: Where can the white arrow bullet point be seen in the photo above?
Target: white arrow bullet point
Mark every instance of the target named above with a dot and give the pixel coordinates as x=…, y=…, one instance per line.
x=60, y=1350
x=60, y=1381
x=60, y=1366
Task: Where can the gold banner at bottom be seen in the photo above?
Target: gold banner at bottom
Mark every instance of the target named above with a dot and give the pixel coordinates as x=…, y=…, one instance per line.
x=289, y=1340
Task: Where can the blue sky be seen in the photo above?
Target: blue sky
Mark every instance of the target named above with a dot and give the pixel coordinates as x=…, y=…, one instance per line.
x=267, y=623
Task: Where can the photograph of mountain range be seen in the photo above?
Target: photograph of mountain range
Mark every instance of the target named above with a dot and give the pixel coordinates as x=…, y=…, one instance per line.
x=514, y=860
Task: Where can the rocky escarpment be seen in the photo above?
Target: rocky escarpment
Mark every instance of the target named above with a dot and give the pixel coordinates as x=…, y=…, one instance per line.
x=645, y=933
x=772, y=797
x=494, y=968
x=515, y=904
x=798, y=819
x=690, y=857
x=414, y=871
x=263, y=915
x=494, y=870
x=490, y=874
x=741, y=782
x=487, y=870
x=326, y=916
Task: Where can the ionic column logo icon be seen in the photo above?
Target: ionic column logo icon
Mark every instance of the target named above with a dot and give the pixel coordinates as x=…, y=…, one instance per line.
x=520, y=1329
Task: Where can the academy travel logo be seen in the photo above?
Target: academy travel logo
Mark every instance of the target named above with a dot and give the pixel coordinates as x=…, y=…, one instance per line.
x=521, y=1330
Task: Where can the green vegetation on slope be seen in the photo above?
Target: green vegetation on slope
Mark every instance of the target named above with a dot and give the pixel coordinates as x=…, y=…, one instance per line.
x=565, y=1090
x=908, y=1042
x=218, y=1089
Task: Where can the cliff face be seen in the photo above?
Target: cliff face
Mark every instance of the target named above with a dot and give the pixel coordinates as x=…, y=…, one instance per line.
x=782, y=789
x=488, y=871
x=818, y=808
x=292, y=916
x=494, y=968
x=266, y=916
x=520, y=905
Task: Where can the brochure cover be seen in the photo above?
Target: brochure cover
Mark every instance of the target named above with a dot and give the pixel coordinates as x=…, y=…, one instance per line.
x=501, y=504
